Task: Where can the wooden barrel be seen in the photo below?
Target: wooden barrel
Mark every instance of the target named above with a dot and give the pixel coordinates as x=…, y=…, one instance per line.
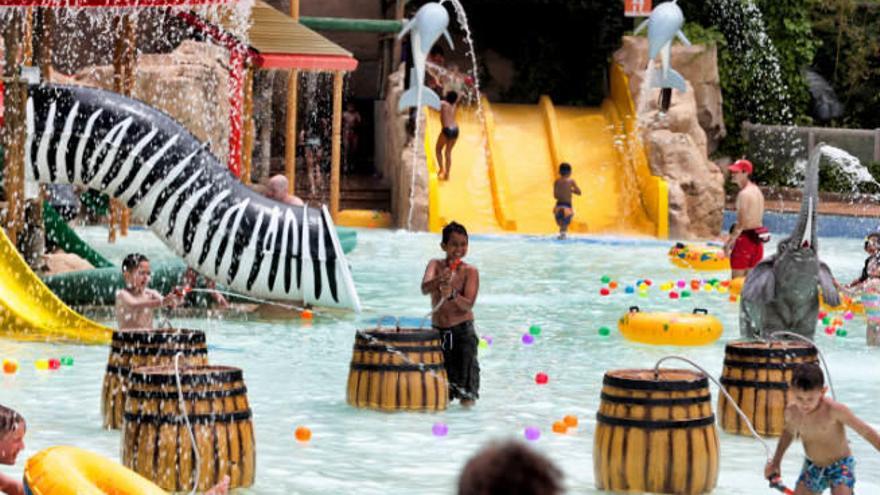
x=156, y=439
x=655, y=433
x=398, y=369
x=756, y=375
x=132, y=348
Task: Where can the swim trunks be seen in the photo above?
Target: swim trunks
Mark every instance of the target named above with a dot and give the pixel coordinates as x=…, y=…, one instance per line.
x=450, y=132
x=748, y=251
x=817, y=479
x=460, y=356
x=563, y=213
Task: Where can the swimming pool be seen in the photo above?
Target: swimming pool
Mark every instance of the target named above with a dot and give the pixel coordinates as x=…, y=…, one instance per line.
x=296, y=374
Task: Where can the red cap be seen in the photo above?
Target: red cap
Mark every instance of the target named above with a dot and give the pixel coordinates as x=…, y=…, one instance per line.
x=741, y=165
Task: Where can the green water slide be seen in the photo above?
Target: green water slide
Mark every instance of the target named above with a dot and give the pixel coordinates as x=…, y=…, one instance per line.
x=58, y=232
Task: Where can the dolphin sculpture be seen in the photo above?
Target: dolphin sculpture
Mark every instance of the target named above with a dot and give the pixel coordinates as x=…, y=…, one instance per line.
x=664, y=24
x=430, y=22
x=782, y=292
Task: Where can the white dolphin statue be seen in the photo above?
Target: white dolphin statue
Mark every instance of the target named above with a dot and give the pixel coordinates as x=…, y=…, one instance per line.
x=664, y=24
x=425, y=28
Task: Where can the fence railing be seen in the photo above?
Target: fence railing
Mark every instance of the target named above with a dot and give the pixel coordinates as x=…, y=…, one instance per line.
x=798, y=142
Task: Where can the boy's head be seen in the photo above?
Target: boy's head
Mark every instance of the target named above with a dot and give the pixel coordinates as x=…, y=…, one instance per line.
x=872, y=243
x=12, y=429
x=509, y=467
x=455, y=240
x=136, y=271
x=564, y=169
x=807, y=386
x=451, y=97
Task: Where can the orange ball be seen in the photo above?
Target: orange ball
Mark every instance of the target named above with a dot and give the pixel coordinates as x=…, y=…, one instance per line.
x=10, y=366
x=559, y=427
x=306, y=314
x=303, y=434
x=612, y=284
x=570, y=420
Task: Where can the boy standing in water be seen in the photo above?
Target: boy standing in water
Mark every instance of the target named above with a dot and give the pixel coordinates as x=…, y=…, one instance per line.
x=453, y=286
x=135, y=303
x=448, y=135
x=562, y=191
x=820, y=422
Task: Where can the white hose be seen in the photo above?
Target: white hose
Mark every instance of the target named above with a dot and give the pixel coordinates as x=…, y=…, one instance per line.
x=723, y=391
x=821, y=355
x=249, y=298
x=189, y=427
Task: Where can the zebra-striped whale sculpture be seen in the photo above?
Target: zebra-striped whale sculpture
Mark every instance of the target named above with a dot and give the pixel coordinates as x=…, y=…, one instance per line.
x=142, y=157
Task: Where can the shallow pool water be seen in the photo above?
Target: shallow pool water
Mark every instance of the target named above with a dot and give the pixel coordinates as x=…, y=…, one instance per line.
x=296, y=373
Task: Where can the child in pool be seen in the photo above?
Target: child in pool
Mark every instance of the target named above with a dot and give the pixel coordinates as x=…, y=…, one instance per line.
x=453, y=286
x=136, y=302
x=12, y=430
x=821, y=424
x=563, y=188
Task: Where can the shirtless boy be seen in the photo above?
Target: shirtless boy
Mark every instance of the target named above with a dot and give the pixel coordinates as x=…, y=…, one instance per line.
x=562, y=191
x=453, y=286
x=135, y=303
x=745, y=246
x=448, y=135
x=820, y=423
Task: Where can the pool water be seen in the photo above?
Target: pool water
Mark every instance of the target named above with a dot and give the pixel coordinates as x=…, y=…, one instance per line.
x=296, y=372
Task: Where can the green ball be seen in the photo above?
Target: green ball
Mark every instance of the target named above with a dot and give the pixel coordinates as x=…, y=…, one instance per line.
x=535, y=330
x=826, y=320
x=604, y=331
x=67, y=360
x=841, y=332
x=685, y=293
x=484, y=344
x=605, y=279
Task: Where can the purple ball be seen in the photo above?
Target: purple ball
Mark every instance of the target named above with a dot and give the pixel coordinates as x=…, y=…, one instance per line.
x=488, y=339
x=440, y=429
x=528, y=339
x=532, y=433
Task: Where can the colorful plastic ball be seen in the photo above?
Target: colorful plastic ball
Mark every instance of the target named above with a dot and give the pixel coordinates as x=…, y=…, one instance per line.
x=681, y=284
x=604, y=291
x=10, y=366
x=643, y=293
x=488, y=339
x=303, y=434
x=848, y=316
x=647, y=282
x=673, y=295
x=67, y=360
x=541, y=378
x=440, y=429
x=837, y=322
x=532, y=433
x=54, y=363
x=41, y=364
x=732, y=298
x=570, y=420
x=841, y=332
x=535, y=330
x=306, y=314
x=527, y=339
x=559, y=427
x=612, y=284
x=629, y=289
x=826, y=321
x=605, y=279
x=685, y=293
x=822, y=315
x=483, y=344
x=829, y=330
x=604, y=331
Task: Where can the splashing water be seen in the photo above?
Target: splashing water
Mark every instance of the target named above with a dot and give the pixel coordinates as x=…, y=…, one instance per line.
x=849, y=167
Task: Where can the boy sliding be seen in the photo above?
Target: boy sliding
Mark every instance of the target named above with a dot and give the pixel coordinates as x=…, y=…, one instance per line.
x=563, y=188
x=820, y=423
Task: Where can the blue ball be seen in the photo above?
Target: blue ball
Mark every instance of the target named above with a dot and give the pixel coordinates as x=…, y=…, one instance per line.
x=630, y=289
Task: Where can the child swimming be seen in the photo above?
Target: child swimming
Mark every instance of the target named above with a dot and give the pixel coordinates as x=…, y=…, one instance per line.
x=136, y=302
x=453, y=286
x=821, y=424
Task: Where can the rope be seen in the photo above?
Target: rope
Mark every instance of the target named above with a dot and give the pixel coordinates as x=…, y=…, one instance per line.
x=821, y=355
x=189, y=427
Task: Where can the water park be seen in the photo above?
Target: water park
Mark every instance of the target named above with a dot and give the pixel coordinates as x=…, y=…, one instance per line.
x=437, y=247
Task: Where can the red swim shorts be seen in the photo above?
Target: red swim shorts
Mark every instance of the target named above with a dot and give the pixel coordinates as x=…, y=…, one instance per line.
x=748, y=251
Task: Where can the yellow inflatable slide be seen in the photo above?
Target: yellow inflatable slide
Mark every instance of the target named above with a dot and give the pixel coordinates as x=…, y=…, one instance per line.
x=30, y=311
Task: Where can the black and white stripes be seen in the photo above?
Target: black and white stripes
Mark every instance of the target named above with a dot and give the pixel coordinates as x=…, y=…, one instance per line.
x=143, y=158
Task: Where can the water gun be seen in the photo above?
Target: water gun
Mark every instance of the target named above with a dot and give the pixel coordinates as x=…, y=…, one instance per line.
x=776, y=482
x=181, y=292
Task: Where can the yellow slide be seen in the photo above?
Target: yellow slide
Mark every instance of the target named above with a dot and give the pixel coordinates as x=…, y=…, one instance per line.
x=502, y=179
x=30, y=311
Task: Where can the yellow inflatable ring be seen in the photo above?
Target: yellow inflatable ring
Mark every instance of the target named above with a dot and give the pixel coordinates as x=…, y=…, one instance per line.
x=703, y=257
x=65, y=470
x=698, y=328
x=846, y=304
x=736, y=285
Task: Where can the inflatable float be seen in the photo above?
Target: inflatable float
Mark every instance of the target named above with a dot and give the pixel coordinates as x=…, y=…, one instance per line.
x=153, y=165
x=697, y=328
x=67, y=470
x=703, y=257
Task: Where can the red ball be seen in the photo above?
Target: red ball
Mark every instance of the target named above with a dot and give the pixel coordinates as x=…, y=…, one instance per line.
x=541, y=378
x=647, y=282
x=54, y=363
x=469, y=80
x=673, y=295
x=829, y=330
x=604, y=291
x=822, y=314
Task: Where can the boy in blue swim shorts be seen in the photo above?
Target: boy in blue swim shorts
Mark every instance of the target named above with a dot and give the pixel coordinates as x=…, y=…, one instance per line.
x=563, y=188
x=821, y=424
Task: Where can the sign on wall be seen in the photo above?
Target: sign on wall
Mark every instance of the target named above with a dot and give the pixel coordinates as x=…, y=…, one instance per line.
x=637, y=8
